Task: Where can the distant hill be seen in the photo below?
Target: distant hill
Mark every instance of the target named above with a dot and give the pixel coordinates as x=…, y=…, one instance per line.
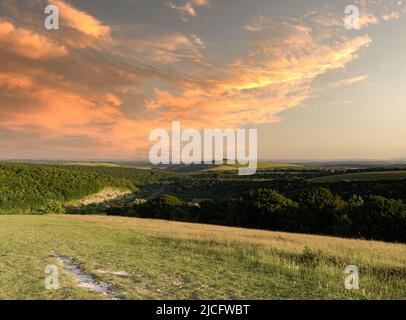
x=227, y=167
x=92, y=164
x=260, y=166
x=363, y=176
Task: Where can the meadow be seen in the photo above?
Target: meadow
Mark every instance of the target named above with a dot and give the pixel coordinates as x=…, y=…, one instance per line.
x=363, y=176
x=153, y=259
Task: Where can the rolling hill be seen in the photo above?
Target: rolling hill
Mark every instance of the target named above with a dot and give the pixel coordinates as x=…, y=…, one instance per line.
x=128, y=258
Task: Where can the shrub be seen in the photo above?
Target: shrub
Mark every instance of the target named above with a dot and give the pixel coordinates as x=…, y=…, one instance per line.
x=54, y=207
x=310, y=257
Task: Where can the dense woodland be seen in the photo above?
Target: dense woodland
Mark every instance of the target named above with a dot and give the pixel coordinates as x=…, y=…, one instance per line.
x=138, y=177
x=34, y=188
x=291, y=185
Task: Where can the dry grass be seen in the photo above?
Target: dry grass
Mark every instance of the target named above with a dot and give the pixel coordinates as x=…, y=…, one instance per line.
x=376, y=252
x=172, y=260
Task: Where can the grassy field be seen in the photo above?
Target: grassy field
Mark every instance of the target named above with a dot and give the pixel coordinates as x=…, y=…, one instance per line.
x=170, y=260
x=363, y=176
x=92, y=164
x=260, y=166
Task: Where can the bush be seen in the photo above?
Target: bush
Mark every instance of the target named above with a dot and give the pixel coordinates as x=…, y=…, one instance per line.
x=54, y=207
x=310, y=257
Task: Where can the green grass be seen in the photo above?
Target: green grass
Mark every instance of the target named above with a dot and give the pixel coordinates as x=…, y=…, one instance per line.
x=171, y=260
x=363, y=176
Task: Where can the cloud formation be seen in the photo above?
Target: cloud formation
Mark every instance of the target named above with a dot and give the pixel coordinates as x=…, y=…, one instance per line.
x=80, y=20
x=348, y=82
x=189, y=8
x=26, y=43
x=95, y=89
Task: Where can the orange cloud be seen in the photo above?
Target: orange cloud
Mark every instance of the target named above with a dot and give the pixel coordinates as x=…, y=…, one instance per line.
x=256, y=88
x=81, y=21
x=54, y=113
x=10, y=82
x=368, y=19
x=112, y=99
x=26, y=43
x=273, y=77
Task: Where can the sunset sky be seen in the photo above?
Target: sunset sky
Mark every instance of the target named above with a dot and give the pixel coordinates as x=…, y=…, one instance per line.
x=115, y=70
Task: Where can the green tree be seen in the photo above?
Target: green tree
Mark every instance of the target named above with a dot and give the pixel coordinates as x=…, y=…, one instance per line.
x=321, y=210
x=379, y=218
x=166, y=207
x=264, y=208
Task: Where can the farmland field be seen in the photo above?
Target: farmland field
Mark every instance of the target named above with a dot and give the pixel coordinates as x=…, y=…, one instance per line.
x=153, y=259
x=260, y=166
x=363, y=176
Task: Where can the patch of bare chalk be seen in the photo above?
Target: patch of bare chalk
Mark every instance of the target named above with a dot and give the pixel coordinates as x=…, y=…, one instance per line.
x=85, y=280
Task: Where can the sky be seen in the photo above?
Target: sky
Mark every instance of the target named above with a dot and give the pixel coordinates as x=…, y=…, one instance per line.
x=115, y=70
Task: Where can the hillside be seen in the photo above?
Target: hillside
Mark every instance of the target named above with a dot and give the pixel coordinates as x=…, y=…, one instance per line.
x=201, y=168
x=28, y=188
x=152, y=259
x=136, y=176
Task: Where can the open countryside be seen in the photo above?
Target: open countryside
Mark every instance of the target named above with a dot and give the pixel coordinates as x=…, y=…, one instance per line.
x=146, y=254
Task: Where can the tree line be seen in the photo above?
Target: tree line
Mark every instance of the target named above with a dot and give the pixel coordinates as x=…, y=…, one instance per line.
x=317, y=211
